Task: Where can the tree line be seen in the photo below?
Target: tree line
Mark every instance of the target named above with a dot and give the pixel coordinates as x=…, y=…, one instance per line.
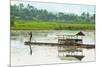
x=30, y=13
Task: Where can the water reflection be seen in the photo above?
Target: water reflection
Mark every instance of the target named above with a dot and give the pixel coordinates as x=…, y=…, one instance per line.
x=43, y=52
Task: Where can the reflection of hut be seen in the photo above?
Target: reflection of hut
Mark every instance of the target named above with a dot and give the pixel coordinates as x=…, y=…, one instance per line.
x=70, y=48
x=65, y=52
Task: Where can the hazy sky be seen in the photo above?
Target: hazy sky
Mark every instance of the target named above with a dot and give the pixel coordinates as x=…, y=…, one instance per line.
x=56, y=7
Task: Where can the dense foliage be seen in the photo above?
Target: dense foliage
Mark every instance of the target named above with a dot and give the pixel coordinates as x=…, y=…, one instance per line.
x=30, y=13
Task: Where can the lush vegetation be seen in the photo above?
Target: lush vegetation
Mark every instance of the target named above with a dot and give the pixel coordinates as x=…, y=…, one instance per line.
x=30, y=18
x=51, y=26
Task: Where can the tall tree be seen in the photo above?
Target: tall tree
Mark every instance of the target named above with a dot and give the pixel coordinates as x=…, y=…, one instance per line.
x=12, y=20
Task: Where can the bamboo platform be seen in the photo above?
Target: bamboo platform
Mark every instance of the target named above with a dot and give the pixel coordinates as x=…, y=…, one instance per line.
x=88, y=46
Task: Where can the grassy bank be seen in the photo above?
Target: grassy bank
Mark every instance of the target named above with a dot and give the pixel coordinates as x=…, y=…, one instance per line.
x=50, y=26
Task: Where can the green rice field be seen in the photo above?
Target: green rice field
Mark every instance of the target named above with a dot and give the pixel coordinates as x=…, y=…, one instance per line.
x=29, y=25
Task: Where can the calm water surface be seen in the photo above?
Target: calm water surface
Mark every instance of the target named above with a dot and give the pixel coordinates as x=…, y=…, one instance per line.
x=41, y=53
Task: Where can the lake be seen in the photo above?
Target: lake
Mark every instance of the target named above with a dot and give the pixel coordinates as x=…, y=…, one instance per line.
x=45, y=54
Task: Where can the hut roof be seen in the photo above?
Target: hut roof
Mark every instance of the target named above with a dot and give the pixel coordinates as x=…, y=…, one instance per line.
x=80, y=34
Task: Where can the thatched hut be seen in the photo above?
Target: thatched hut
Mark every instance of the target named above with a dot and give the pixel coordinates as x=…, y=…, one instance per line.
x=80, y=34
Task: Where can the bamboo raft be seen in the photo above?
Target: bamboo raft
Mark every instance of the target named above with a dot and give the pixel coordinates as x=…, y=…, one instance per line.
x=88, y=46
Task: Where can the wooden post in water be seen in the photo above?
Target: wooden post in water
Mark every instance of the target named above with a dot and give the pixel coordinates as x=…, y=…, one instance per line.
x=30, y=43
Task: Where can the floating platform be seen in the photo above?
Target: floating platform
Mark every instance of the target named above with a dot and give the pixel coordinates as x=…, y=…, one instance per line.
x=88, y=46
x=40, y=43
